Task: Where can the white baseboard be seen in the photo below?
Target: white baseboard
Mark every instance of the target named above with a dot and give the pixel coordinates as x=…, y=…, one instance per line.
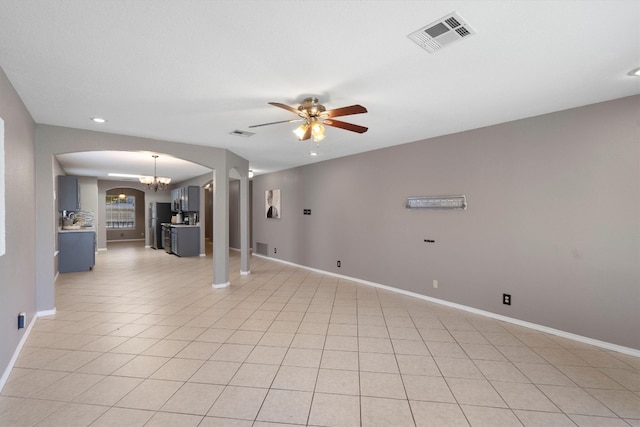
x=534, y=326
x=16, y=353
x=221, y=285
x=46, y=312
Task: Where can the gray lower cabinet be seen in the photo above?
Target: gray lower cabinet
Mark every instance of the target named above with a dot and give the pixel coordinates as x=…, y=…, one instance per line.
x=76, y=251
x=185, y=241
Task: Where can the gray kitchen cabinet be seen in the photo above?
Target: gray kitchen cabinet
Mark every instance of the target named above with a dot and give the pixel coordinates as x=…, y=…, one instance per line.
x=68, y=193
x=191, y=199
x=176, y=196
x=186, y=199
x=76, y=251
x=185, y=241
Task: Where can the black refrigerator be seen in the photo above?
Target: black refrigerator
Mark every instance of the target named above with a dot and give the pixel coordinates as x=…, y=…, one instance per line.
x=158, y=213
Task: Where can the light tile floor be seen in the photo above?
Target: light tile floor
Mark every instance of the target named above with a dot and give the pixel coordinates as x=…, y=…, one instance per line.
x=143, y=339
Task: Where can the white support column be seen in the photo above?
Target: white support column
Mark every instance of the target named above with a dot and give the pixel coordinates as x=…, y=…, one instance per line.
x=220, y=228
x=245, y=243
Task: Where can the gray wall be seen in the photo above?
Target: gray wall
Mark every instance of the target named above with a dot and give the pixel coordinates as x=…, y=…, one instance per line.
x=89, y=194
x=553, y=219
x=207, y=218
x=234, y=212
x=17, y=265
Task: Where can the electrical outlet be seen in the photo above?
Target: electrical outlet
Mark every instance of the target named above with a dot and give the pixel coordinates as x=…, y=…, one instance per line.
x=435, y=284
x=21, y=319
x=339, y=264
x=506, y=299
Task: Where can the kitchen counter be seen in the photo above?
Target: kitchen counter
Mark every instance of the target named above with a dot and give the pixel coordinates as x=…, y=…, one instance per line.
x=77, y=230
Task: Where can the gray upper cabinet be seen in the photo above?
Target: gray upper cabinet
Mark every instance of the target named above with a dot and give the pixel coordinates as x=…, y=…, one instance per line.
x=186, y=199
x=191, y=199
x=68, y=193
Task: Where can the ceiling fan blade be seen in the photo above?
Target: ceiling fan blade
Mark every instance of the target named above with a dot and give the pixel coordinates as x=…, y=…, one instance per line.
x=345, y=125
x=275, y=123
x=286, y=107
x=345, y=111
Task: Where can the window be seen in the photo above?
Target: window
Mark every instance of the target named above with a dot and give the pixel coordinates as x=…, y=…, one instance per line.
x=120, y=211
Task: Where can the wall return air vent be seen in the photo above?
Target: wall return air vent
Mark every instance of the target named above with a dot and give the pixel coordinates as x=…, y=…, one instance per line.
x=441, y=33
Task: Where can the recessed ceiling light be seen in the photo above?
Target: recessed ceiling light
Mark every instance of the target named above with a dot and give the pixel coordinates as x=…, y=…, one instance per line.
x=313, y=153
x=98, y=120
x=635, y=72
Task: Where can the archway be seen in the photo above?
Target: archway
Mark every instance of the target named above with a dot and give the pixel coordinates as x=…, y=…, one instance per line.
x=52, y=140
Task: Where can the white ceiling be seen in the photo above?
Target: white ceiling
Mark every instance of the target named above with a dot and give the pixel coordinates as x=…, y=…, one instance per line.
x=194, y=71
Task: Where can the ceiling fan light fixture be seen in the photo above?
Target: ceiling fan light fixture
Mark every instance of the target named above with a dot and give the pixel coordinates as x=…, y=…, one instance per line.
x=315, y=115
x=317, y=129
x=301, y=130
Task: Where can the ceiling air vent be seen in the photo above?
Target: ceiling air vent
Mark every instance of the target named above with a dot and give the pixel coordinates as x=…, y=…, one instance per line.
x=442, y=32
x=242, y=133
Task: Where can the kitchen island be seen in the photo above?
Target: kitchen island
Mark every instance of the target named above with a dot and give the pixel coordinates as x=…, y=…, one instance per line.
x=76, y=249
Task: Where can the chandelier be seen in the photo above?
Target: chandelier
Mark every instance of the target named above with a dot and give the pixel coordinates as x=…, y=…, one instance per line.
x=155, y=182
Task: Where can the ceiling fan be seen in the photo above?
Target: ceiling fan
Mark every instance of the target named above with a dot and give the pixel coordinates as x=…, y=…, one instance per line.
x=314, y=115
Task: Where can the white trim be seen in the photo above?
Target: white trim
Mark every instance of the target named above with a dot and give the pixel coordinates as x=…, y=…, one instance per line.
x=245, y=273
x=46, y=312
x=238, y=250
x=102, y=249
x=16, y=353
x=221, y=285
x=534, y=326
x=203, y=254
